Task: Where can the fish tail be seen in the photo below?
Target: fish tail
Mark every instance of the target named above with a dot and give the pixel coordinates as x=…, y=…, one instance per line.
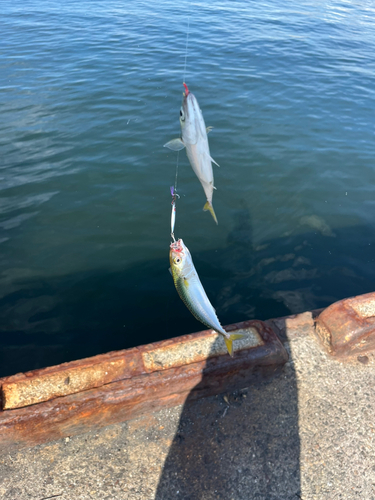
x=208, y=206
x=229, y=341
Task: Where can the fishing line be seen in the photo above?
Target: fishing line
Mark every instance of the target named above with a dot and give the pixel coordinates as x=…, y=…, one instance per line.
x=175, y=181
x=187, y=42
x=183, y=80
x=174, y=191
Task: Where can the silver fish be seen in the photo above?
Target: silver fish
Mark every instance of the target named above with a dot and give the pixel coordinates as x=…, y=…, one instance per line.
x=194, y=138
x=191, y=291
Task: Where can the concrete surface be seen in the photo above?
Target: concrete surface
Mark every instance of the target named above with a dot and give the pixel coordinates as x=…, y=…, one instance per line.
x=308, y=433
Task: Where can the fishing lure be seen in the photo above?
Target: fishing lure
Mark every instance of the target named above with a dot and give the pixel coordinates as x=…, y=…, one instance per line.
x=173, y=213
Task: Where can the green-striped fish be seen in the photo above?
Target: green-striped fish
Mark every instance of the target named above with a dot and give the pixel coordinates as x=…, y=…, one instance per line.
x=191, y=291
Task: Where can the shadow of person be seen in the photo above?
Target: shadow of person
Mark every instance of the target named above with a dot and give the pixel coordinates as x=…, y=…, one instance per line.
x=243, y=444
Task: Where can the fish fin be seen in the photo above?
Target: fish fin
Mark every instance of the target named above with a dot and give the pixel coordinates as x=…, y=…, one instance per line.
x=170, y=270
x=208, y=206
x=213, y=161
x=175, y=144
x=208, y=129
x=229, y=341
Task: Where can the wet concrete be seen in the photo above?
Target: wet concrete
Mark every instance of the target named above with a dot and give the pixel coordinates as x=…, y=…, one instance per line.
x=307, y=433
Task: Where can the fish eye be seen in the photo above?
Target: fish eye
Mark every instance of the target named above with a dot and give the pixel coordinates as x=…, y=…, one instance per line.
x=182, y=114
x=177, y=260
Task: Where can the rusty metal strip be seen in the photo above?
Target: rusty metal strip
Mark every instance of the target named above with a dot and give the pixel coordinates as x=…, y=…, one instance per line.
x=347, y=327
x=198, y=349
x=41, y=385
x=34, y=387
x=125, y=399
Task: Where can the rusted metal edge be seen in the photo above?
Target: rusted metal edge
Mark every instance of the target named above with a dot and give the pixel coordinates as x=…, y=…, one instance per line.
x=41, y=385
x=347, y=327
x=130, y=397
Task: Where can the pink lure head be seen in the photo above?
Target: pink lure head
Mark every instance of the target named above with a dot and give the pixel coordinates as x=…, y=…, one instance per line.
x=186, y=89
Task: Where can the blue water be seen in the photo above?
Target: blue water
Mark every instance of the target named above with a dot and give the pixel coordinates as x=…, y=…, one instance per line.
x=89, y=93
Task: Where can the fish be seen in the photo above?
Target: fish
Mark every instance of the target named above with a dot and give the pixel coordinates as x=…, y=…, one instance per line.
x=194, y=139
x=191, y=291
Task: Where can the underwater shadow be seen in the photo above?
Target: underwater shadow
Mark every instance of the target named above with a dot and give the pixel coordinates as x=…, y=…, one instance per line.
x=238, y=445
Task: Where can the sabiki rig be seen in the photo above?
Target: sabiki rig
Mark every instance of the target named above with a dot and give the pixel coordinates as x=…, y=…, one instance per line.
x=191, y=291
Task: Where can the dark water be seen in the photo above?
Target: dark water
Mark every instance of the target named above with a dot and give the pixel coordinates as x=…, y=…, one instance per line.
x=90, y=91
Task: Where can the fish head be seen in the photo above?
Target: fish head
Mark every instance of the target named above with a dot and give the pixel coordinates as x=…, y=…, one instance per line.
x=185, y=107
x=178, y=257
x=191, y=118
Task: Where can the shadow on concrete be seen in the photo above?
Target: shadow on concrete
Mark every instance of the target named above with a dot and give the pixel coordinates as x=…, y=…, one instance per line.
x=238, y=445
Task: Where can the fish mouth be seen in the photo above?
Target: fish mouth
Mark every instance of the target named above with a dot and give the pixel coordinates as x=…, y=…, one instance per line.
x=177, y=246
x=176, y=252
